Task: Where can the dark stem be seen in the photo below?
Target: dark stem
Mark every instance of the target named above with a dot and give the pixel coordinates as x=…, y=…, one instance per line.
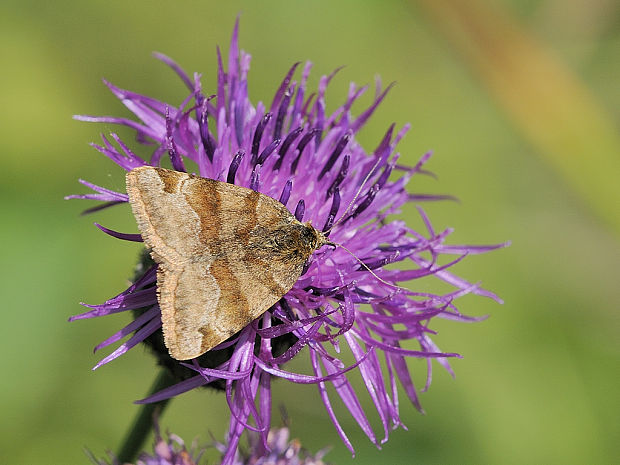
x=143, y=423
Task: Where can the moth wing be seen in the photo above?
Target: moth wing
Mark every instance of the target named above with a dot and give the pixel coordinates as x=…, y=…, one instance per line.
x=188, y=297
x=170, y=221
x=203, y=304
x=216, y=274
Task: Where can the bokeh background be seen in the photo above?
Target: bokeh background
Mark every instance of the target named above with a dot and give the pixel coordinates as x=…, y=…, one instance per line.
x=519, y=99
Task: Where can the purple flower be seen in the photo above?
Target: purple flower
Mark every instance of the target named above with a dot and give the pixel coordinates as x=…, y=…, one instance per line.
x=294, y=151
x=169, y=452
x=280, y=451
x=166, y=451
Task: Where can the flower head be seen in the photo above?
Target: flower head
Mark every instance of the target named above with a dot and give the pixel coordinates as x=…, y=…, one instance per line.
x=169, y=450
x=348, y=299
x=281, y=450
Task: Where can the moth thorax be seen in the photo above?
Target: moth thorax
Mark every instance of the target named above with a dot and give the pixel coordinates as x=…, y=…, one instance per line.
x=313, y=237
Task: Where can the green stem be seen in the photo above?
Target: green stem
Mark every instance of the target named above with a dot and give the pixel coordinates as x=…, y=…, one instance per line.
x=143, y=423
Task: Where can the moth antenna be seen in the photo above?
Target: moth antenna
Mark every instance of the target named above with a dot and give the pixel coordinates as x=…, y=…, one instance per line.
x=357, y=194
x=366, y=266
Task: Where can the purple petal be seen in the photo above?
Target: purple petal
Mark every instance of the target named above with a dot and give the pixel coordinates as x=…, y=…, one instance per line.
x=176, y=68
x=283, y=87
x=138, y=337
x=118, y=235
x=328, y=406
x=175, y=390
x=131, y=327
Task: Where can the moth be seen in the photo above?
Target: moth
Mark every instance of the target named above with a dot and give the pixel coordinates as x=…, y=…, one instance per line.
x=226, y=254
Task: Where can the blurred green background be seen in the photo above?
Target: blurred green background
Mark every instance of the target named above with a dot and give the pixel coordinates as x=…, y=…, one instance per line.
x=520, y=101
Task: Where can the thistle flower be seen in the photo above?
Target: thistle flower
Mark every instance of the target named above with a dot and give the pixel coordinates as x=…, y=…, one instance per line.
x=281, y=450
x=169, y=450
x=348, y=301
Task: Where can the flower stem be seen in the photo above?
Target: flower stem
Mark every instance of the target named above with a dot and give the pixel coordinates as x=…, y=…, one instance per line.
x=143, y=423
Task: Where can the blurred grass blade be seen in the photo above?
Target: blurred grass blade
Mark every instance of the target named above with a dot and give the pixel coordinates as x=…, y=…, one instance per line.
x=546, y=102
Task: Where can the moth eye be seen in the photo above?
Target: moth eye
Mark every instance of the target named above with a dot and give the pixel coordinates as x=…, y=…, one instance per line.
x=308, y=235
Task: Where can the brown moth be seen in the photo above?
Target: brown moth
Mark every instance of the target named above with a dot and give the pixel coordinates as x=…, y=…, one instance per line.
x=225, y=253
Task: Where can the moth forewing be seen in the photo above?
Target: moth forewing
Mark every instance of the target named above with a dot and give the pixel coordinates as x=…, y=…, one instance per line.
x=226, y=254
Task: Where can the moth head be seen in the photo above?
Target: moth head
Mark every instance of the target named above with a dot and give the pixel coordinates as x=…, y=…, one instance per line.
x=318, y=239
x=314, y=238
